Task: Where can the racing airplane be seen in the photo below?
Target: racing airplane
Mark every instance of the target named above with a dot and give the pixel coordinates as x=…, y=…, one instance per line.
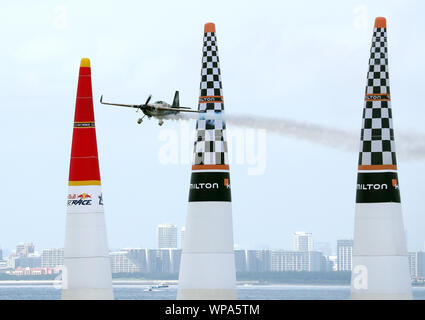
x=158, y=109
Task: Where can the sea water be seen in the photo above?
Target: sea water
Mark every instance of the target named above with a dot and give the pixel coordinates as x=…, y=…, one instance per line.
x=250, y=292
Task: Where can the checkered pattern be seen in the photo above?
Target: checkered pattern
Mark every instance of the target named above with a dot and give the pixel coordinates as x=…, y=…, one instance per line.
x=211, y=145
x=377, y=135
x=210, y=74
x=377, y=77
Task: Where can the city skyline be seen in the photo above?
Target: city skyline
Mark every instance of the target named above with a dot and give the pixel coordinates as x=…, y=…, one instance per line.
x=289, y=243
x=313, y=245
x=27, y=262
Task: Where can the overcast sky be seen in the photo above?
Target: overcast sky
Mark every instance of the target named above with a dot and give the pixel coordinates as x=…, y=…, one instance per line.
x=300, y=60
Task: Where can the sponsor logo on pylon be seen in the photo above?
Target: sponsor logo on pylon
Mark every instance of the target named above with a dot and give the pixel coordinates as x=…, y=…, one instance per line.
x=83, y=199
x=395, y=183
x=212, y=99
x=209, y=186
x=377, y=186
x=377, y=97
x=84, y=125
x=371, y=186
x=206, y=185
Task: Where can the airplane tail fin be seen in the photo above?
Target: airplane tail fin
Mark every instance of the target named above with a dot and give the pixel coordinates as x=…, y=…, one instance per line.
x=176, y=101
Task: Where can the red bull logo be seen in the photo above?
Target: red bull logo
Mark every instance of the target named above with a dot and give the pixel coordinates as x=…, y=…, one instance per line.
x=83, y=199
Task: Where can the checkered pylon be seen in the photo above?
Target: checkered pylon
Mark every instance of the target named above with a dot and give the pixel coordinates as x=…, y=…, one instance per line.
x=211, y=145
x=377, y=136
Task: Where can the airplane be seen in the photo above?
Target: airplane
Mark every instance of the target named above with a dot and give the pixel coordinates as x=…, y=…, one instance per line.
x=158, y=109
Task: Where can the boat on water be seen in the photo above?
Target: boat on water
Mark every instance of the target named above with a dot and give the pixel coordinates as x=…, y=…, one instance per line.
x=157, y=287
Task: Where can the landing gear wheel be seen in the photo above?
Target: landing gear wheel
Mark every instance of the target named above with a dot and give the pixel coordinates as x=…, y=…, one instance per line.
x=160, y=122
x=140, y=120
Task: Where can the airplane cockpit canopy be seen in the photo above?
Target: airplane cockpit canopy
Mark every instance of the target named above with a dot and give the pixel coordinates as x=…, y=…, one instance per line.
x=159, y=102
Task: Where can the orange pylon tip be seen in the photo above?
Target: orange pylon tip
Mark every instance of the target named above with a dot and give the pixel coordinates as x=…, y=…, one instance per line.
x=380, y=22
x=209, y=27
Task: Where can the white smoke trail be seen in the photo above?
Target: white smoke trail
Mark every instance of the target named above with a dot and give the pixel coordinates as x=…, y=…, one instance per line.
x=410, y=146
x=326, y=136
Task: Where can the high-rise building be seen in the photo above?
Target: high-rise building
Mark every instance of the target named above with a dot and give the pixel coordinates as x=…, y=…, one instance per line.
x=24, y=249
x=303, y=260
x=417, y=264
x=175, y=256
x=420, y=260
x=303, y=241
x=120, y=263
x=128, y=261
x=413, y=265
x=258, y=260
x=164, y=255
x=240, y=260
x=163, y=260
x=20, y=249
x=344, y=250
x=52, y=258
x=146, y=260
x=167, y=236
x=31, y=260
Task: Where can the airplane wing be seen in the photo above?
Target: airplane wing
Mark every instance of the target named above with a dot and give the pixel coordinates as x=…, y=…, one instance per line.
x=180, y=109
x=120, y=104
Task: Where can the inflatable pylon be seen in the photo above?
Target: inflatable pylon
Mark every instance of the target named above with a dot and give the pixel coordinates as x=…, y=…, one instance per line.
x=87, y=265
x=207, y=269
x=380, y=262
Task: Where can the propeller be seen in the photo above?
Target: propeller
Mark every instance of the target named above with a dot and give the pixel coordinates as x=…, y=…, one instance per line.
x=149, y=99
x=146, y=103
